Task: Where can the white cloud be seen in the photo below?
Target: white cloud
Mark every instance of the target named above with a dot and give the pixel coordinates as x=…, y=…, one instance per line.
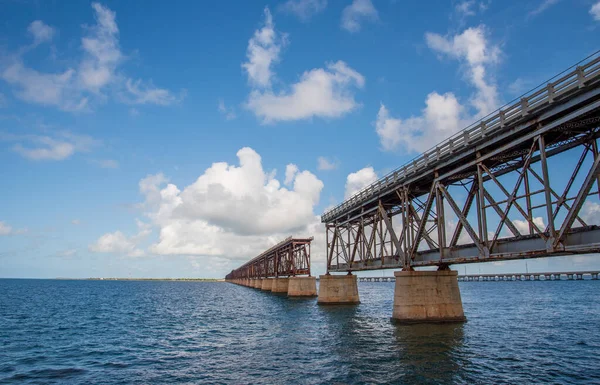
x=544, y=5
x=41, y=32
x=140, y=92
x=263, y=50
x=76, y=222
x=119, y=243
x=290, y=173
x=44, y=88
x=443, y=114
x=94, y=73
x=320, y=92
x=595, y=11
x=324, y=164
x=230, y=214
x=523, y=225
x=357, y=12
x=60, y=146
x=356, y=181
x=304, y=9
x=228, y=112
x=590, y=213
x=472, y=48
x=102, y=52
x=231, y=211
x=116, y=243
x=5, y=229
x=106, y=163
x=465, y=8
x=325, y=93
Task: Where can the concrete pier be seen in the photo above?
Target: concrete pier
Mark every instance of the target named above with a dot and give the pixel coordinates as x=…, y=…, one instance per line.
x=427, y=296
x=267, y=284
x=280, y=285
x=338, y=289
x=302, y=287
x=257, y=283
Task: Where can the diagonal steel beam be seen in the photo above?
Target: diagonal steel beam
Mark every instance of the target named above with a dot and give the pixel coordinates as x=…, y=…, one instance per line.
x=462, y=218
x=590, y=179
x=388, y=224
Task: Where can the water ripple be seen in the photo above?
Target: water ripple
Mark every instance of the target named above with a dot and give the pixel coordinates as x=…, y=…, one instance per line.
x=189, y=332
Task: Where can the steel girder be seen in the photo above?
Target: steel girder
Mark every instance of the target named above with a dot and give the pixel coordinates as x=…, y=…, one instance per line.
x=518, y=193
x=290, y=257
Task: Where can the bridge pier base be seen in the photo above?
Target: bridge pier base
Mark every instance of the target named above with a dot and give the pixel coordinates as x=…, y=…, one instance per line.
x=280, y=285
x=302, y=287
x=258, y=283
x=267, y=284
x=427, y=296
x=338, y=290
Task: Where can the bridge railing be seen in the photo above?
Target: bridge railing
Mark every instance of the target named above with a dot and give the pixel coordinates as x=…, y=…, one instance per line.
x=529, y=103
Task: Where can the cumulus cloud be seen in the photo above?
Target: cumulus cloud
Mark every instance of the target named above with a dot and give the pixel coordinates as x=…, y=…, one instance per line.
x=304, y=9
x=356, y=181
x=94, y=74
x=119, y=243
x=324, y=164
x=356, y=13
x=58, y=146
x=321, y=92
x=595, y=11
x=230, y=212
x=443, y=114
x=41, y=32
x=523, y=225
x=263, y=51
x=590, y=213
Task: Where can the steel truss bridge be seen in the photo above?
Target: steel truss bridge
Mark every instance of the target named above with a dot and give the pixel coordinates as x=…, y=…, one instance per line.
x=510, y=186
x=288, y=258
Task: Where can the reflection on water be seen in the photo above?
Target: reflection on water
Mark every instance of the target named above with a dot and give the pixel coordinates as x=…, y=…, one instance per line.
x=190, y=332
x=429, y=353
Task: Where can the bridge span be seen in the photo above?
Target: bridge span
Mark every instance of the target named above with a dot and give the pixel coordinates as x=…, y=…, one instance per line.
x=553, y=276
x=510, y=186
x=283, y=268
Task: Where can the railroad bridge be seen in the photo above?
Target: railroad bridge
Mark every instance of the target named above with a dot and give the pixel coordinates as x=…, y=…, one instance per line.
x=283, y=268
x=512, y=185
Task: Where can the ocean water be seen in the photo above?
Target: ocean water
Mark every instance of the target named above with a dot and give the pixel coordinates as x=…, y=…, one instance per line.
x=140, y=332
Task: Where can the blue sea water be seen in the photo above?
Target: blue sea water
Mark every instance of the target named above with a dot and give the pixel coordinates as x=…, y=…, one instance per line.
x=140, y=332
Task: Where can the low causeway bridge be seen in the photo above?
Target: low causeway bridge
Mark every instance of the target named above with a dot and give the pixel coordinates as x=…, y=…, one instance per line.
x=512, y=185
x=555, y=276
x=283, y=268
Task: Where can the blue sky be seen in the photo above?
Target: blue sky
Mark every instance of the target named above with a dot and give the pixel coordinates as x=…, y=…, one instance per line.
x=152, y=139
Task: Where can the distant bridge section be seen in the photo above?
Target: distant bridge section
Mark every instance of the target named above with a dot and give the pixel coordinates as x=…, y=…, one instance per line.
x=288, y=258
x=510, y=186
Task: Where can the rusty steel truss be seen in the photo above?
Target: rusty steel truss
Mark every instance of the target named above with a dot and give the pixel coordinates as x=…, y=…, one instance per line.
x=288, y=258
x=511, y=186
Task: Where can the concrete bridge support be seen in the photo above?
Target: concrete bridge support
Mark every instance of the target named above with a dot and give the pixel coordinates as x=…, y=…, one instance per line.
x=267, y=284
x=427, y=296
x=302, y=287
x=280, y=285
x=338, y=290
x=258, y=283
